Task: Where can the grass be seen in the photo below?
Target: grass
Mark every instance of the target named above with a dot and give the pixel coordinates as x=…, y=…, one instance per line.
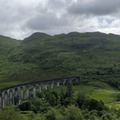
x=101, y=94
x=8, y=84
x=97, y=90
x=106, y=95
x=114, y=105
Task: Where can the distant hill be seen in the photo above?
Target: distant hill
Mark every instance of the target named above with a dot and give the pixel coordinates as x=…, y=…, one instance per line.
x=42, y=56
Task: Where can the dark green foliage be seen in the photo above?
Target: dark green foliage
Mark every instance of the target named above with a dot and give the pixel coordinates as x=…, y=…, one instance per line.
x=92, y=104
x=69, y=92
x=51, y=114
x=107, y=117
x=52, y=100
x=81, y=99
x=117, y=95
x=26, y=105
x=10, y=114
x=73, y=113
x=62, y=97
x=35, y=105
x=70, y=113
x=114, y=83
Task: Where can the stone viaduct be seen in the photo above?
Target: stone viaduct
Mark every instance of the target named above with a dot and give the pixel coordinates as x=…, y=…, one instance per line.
x=15, y=94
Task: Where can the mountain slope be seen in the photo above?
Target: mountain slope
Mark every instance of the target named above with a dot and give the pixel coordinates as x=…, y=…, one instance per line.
x=6, y=45
x=72, y=54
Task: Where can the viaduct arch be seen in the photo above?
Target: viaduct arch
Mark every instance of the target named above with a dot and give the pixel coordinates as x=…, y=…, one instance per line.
x=15, y=94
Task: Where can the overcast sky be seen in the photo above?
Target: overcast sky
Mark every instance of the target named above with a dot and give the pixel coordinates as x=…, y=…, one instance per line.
x=20, y=18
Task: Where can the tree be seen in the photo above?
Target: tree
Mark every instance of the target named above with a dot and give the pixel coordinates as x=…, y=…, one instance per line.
x=53, y=114
x=92, y=104
x=62, y=97
x=80, y=99
x=69, y=92
x=26, y=105
x=10, y=114
x=52, y=99
x=73, y=113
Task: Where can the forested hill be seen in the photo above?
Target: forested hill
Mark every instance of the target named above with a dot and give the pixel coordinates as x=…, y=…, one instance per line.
x=42, y=56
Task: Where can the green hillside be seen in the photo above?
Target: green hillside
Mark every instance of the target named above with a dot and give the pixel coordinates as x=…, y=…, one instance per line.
x=6, y=45
x=92, y=56
x=72, y=54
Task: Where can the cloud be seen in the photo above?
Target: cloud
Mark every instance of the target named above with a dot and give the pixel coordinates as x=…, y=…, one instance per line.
x=20, y=18
x=14, y=14
x=46, y=21
x=94, y=7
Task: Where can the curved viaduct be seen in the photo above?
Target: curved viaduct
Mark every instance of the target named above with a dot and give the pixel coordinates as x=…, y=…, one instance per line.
x=15, y=94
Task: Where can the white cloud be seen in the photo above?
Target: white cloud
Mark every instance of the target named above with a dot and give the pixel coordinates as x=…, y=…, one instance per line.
x=20, y=18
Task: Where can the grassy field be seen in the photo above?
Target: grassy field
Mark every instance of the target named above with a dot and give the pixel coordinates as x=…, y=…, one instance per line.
x=107, y=95
x=8, y=84
x=96, y=90
x=104, y=94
